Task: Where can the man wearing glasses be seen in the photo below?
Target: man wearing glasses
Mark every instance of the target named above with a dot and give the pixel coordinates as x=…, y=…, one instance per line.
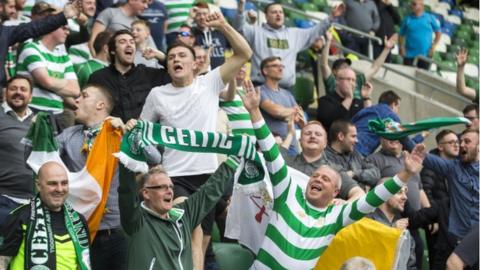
x=277, y=104
x=341, y=104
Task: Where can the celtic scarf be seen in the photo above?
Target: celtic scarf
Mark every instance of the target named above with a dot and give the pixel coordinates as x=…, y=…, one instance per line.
x=146, y=133
x=39, y=241
x=391, y=130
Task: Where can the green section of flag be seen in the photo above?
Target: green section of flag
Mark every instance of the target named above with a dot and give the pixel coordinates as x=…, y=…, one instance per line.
x=391, y=130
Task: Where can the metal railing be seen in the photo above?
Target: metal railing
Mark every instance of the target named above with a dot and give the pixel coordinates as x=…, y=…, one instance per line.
x=371, y=38
x=408, y=76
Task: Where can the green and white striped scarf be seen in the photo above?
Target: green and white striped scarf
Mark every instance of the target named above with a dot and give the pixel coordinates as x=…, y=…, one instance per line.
x=391, y=130
x=147, y=133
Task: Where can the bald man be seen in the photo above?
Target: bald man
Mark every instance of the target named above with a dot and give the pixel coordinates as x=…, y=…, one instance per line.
x=47, y=232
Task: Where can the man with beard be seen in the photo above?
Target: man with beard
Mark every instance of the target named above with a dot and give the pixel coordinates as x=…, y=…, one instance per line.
x=462, y=177
x=16, y=185
x=129, y=84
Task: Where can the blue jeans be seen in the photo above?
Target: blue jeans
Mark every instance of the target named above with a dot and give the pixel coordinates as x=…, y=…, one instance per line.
x=6, y=206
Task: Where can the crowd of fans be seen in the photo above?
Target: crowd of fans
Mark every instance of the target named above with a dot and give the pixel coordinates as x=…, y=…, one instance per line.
x=181, y=64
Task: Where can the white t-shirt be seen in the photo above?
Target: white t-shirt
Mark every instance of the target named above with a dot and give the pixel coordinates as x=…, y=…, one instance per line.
x=193, y=107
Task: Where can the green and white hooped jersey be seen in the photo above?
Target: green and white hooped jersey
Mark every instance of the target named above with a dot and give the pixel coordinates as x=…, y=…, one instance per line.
x=58, y=64
x=79, y=53
x=178, y=12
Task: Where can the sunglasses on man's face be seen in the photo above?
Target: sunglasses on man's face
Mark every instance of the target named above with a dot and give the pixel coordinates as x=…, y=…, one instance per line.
x=184, y=34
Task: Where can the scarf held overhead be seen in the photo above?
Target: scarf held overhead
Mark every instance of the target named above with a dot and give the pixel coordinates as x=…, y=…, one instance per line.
x=391, y=130
x=147, y=133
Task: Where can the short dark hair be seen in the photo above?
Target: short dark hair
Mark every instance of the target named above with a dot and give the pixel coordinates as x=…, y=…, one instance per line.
x=111, y=43
x=442, y=134
x=180, y=44
x=267, y=7
x=338, y=126
x=101, y=40
x=268, y=60
x=470, y=107
x=389, y=97
x=21, y=77
x=106, y=93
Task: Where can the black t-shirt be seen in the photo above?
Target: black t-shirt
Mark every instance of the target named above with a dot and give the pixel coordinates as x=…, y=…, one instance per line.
x=12, y=232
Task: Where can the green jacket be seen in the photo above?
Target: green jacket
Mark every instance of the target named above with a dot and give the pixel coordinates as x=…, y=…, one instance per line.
x=157, y=243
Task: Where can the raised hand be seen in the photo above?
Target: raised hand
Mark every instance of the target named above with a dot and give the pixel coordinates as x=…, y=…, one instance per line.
x=390, y=42
x=462, y=57
x=251, y=98
x=414, y=160
x=72, y=9
x=130, y=124
x=366, y=91
x=401, y=223
x=215, y=19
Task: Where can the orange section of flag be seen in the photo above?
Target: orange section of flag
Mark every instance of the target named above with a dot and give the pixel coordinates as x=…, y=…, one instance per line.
x=102, y=165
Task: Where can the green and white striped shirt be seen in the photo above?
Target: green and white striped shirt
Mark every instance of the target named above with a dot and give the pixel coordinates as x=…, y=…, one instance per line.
x=178, y=12
x=35, y=55
x=86, y=69
x=238, y=117
x=298, y=233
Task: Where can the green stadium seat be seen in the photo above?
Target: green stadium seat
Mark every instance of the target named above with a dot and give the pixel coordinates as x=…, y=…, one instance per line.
x=453, y=48
x=450, y=56
x=309, y=7
x=437, y=57
x=303, y=92
x=447, y=66
x=396, y=59
x=463, y=34
x=425, y=262
x=231, y=256
x=216, y=238
x=473, y=58
x=320, y=3
x=460, y=42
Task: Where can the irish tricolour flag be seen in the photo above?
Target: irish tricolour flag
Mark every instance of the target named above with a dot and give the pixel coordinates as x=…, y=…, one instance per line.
x=88, y=188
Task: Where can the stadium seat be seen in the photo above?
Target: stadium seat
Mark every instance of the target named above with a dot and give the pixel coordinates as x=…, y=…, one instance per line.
x=425, y=262
x=303, y=91
x=309, y=7
x=471, y=70
x=456, y=12
x=320, y=3
x=473, y=59
x=447, y=66
x=302, y=23
x=216, y=238
x=453, y=48
x=231, y=256
x=454, y=19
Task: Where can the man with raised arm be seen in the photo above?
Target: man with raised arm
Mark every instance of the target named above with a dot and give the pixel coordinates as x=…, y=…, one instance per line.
x=305, y=223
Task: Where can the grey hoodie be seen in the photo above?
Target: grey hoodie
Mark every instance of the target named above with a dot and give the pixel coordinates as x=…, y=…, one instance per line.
x=284, y=42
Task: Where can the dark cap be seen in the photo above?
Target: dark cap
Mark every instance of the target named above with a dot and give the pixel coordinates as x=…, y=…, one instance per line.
x=339, y=62
x=42, y=8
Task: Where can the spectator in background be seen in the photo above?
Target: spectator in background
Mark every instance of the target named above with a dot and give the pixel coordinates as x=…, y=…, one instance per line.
x=118, y=18
x=343, y=157
x=330, y=74
x=202, y=59
x=342, y=104
x=389, y=17
x=389, y=160
x=178, y=12
x=156, y=16
x=463, y=186
x=388, y=107
x=16, y=185
x=465, y=255
x=100, y=60
x=50, y=67
x=9, y=35
x=185, y=35
x=144, y=54
x=277, y=104
x=358, y=263
x=437, y=189
x=77, y=40
x=274, y=38
x=471, y=113
x=130, y=84
x=313, y=140
x=462, y=88
x=416, y=33
x=207, y=37
x=361, y=15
